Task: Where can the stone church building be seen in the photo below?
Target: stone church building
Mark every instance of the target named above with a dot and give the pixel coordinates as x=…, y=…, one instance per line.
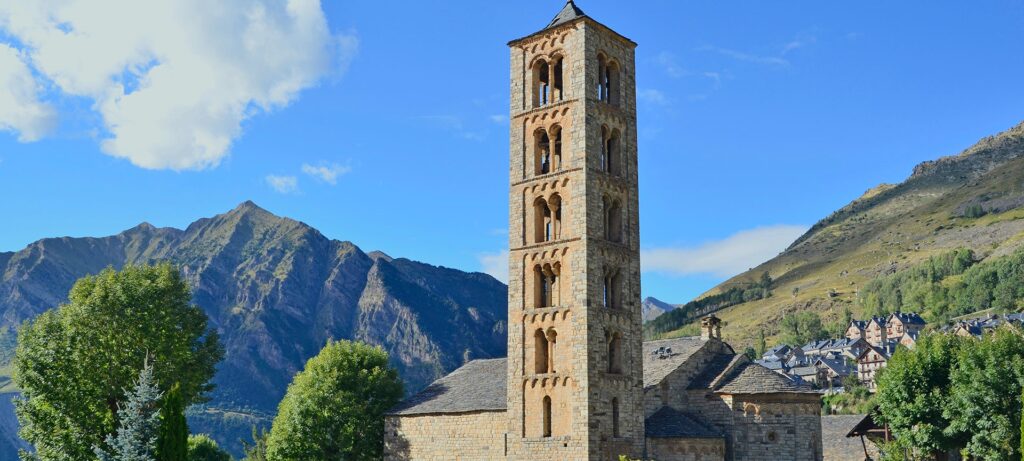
x=579, y=382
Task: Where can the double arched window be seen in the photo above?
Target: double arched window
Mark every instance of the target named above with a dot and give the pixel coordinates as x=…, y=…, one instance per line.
x=548, y=84
x=547, y=150
x=607, y=80
x=545, y=282
x=547, y=219
x=610, y=150
x=612, y=219
x=615, y=353
x=612, y=285
x=544, y=350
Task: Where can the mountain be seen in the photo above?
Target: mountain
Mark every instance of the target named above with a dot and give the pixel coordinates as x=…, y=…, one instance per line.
x=652, y=307
x=276, y=290
x=973, y=200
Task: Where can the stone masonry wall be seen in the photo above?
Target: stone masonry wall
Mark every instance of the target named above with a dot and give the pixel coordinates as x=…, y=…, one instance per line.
x=477, y=436
x=686, y=449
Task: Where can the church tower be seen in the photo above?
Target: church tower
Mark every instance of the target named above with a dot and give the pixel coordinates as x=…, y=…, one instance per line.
x=575, y=368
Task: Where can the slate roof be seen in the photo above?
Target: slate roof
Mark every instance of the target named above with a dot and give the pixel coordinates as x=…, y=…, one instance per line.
x=712, y=370
x=569, y=13
x=751, y=378
x=479, y=385
x=657, y=365
x=671, y=423
x=837, y=365
x=908, y=318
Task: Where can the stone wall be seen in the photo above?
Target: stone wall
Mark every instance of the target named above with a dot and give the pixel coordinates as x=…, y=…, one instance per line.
x=477, y=436
x=686, y=449
x=775, y=426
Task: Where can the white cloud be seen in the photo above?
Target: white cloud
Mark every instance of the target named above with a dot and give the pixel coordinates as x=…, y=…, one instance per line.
x=283, y=184
x=173, y=80
x=21, y=111
x=723, y=258
x=499, y=119
x=746, y=57
x=325, y=173
x=667, y=61
x=495, y=264
x=652, y=96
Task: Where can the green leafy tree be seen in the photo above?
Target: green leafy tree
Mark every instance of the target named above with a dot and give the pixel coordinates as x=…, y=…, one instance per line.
x=802, y=327
x=334, y=409
x=257, y=450
x=985, y=395
x=137, y=429
x=913, y=390
x=202, y=448
x=762, y=344
x=172, y=443
x=74, y=363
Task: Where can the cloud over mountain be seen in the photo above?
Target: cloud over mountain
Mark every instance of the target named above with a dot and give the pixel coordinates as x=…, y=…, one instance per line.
x=172, y=80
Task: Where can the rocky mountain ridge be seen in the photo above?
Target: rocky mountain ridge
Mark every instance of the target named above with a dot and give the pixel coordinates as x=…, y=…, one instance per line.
x=276, y=290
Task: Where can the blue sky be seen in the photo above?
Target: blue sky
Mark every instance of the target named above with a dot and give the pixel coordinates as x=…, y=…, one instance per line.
x=369, y=120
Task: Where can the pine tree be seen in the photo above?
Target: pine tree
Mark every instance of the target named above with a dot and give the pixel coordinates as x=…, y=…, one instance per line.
x=172, y=441
x=139, y=418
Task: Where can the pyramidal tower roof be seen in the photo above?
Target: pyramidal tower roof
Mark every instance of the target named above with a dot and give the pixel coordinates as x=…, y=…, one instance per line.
x=569, y=13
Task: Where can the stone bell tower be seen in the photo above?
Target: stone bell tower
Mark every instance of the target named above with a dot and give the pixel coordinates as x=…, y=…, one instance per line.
x=575, y=370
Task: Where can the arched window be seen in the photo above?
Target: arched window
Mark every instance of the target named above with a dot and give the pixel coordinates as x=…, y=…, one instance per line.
x=612, y=220
x=552, y=342
x=602, y=72
x=615, y=353
x=615, y=417
x=557, y=81
x=546, y=404
x=540, y=351
x=542, y=152
x=545, y=280
x=542, y=220
x=555, y=227
x=610, y=148
x=556, y=150
x=541, y=83
x=611, y=282
x=611, y=79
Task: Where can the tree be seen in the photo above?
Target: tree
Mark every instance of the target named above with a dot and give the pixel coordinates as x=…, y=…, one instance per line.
x=172, y=442
x=139, y=418
x=74, y=363
x=257, y=450
x=802, y=327
x=334, y=409
x=913, y=390
x=985, y=395
x=202, y=448
x=762, y=344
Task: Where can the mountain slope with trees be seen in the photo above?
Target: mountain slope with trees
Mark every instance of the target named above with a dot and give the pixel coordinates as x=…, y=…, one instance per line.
x=973, y=202
x=276, y=290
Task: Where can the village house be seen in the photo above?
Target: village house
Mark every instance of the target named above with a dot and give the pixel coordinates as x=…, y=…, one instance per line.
x=902, y=323
x=579, y=383
x=871, y=360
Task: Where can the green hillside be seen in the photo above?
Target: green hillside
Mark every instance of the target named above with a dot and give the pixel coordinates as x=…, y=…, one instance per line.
x=974, y=200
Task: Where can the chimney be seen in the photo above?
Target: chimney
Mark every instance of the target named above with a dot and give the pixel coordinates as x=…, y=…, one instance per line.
x=711, y=328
